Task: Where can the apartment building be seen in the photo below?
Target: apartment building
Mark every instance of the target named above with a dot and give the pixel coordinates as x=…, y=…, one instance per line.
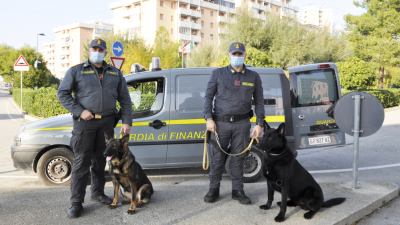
x=68, y=47
x=187, y=21
x=316, y=16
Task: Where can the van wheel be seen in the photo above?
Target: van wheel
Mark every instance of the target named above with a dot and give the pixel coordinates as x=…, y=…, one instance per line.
x=55, y=166
x=252, y=166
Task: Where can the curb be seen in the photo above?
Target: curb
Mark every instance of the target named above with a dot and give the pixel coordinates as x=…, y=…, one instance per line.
x=392, y=109
x=354, y=217
x=26, y=116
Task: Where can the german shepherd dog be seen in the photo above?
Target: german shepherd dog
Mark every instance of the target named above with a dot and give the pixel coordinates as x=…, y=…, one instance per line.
x=285, y=175
x=126, y=172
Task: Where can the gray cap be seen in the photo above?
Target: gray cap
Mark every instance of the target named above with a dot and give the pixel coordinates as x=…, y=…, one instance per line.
x=237, y=47
x=100, y=43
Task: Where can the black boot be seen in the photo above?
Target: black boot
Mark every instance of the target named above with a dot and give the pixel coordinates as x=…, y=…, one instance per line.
x=212, y=195
x=75, y=210
x=241, y=197
x=102, y=198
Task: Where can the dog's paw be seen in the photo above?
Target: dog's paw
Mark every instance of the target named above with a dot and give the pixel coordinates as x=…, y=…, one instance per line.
x=279, y=218
x=131, y=211
x=113, y=206
x=265, y=207
x=140, y=204
x=309, y=215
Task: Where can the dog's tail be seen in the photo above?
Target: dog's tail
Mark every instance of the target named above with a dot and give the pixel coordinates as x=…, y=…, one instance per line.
x=144, y=193
x=333, y=202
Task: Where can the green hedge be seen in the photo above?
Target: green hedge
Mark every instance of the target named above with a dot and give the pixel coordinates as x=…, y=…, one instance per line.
x=41, y=102
x=388, y=97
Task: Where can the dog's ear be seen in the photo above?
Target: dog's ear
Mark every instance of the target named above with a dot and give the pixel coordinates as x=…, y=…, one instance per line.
x=108, y=137
x=125, y=139
x=281, y=129
x=266, y=125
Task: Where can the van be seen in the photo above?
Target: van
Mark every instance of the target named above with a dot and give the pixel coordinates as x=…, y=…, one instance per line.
x=168, y=127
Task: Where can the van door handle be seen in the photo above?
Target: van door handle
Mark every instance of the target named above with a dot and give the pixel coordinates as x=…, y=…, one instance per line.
x=301, y=117
x=157, y=124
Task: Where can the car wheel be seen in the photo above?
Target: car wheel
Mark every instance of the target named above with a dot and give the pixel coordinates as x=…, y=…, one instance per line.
x=55, y=166
x=252, y=166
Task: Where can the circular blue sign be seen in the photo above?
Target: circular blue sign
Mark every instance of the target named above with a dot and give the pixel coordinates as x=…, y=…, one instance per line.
x=118, y=48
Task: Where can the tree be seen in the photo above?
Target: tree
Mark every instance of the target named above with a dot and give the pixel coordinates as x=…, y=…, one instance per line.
x=356, y=74
x=166, y=49
x=35, y=77
x=374, y=35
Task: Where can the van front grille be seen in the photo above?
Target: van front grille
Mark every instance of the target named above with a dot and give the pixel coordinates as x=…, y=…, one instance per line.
x=323, y=127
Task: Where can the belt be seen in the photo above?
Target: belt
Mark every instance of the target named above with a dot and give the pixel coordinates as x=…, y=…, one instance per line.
x=100, y=116
x=233, y=118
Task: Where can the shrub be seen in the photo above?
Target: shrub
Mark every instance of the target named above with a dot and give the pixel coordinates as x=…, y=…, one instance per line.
x=387, y=97
x=356, y=74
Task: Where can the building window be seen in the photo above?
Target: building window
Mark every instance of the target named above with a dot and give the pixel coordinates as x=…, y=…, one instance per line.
x=212, y=25
x=172, y=18
x=202, y=35
x=202, y=24
x=161, y=3
x=211, y=13
x=212, y=36
x=172, y=5
x=161, y=16
x=172, y=30
x=202, y=11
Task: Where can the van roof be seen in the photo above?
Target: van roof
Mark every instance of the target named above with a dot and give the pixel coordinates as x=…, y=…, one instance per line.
x=307, y=67
x=199, y=70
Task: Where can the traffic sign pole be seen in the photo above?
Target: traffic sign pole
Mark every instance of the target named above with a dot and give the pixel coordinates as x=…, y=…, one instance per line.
x=22, y=110
x=356, y=132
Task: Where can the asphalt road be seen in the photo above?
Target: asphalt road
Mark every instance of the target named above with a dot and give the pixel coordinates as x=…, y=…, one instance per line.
x=25, y=200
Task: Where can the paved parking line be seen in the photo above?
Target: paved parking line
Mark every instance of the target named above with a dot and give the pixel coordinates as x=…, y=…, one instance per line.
x=351, y=169
x=18, y=176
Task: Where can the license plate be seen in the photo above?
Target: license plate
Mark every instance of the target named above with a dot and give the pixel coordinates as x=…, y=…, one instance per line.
x=319, y=140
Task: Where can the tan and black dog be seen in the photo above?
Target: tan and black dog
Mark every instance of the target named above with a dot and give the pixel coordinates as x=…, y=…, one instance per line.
x=126, y=172
x=286, y=175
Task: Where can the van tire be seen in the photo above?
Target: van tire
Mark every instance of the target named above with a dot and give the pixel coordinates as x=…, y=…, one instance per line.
x=55, y=167
x=252, y=166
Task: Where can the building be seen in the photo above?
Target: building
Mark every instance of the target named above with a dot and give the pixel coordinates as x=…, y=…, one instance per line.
x=316, y=16
x=188, y=21
x=68, y=47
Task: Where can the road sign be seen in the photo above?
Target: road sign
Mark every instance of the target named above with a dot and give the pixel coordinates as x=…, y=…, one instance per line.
x=118, y=48
x=21, y=64
x=117, y=62
x=371, y=110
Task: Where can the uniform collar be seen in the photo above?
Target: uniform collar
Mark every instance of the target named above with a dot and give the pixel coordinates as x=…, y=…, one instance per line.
x=87, y=64
x=233, y=71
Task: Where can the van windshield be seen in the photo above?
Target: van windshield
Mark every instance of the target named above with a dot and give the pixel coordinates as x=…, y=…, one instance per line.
x=316, y=87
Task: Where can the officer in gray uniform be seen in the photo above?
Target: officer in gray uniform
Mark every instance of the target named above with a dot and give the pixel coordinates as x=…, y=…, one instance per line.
x=227, y=109
x=96, y=86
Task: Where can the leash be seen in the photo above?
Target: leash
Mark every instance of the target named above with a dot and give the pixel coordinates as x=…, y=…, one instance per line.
x=205, y=152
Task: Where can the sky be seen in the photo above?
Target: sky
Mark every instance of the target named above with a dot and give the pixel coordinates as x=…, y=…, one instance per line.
x=22, y=20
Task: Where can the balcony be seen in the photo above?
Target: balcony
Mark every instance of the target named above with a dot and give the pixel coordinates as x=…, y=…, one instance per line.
x=223, y=19
x=188, y=37
x=189, y=24
x=192, y=2
x=189, y=12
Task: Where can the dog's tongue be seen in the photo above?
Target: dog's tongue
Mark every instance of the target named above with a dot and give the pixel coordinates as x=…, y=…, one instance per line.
x=108, y=158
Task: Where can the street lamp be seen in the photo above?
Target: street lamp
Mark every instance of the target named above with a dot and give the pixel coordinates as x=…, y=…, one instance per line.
x=37, y=49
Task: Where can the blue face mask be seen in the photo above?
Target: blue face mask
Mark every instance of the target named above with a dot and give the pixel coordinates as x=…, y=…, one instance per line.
x=96, y=57
x=237, y=61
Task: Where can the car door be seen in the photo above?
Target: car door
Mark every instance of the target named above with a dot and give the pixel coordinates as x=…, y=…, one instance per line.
x=150, y=106
x=314, y=89
x=187, y=124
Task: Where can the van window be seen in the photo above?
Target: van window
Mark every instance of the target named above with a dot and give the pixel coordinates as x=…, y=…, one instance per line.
x=147, y=97
x=190, y=92
x=272, y=89
x=317, y=87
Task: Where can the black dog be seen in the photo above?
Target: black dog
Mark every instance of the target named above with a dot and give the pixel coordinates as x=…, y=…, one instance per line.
x=285, y=175
x=126, y=172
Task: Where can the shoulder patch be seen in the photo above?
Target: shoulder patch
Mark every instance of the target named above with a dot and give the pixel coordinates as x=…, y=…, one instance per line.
x=112, y=73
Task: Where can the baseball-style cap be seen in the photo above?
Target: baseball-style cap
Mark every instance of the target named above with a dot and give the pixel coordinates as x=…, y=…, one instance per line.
x=100, y=43
x=237, y=47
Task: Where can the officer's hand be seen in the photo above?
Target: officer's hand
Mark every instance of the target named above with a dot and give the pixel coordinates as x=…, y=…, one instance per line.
x=86, y=115
x=257, y=131
x=211, y=125
x=125, y=129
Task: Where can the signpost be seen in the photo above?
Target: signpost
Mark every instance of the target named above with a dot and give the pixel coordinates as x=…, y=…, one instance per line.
x=358, y=114
x=21, y=65
x=118, y=50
